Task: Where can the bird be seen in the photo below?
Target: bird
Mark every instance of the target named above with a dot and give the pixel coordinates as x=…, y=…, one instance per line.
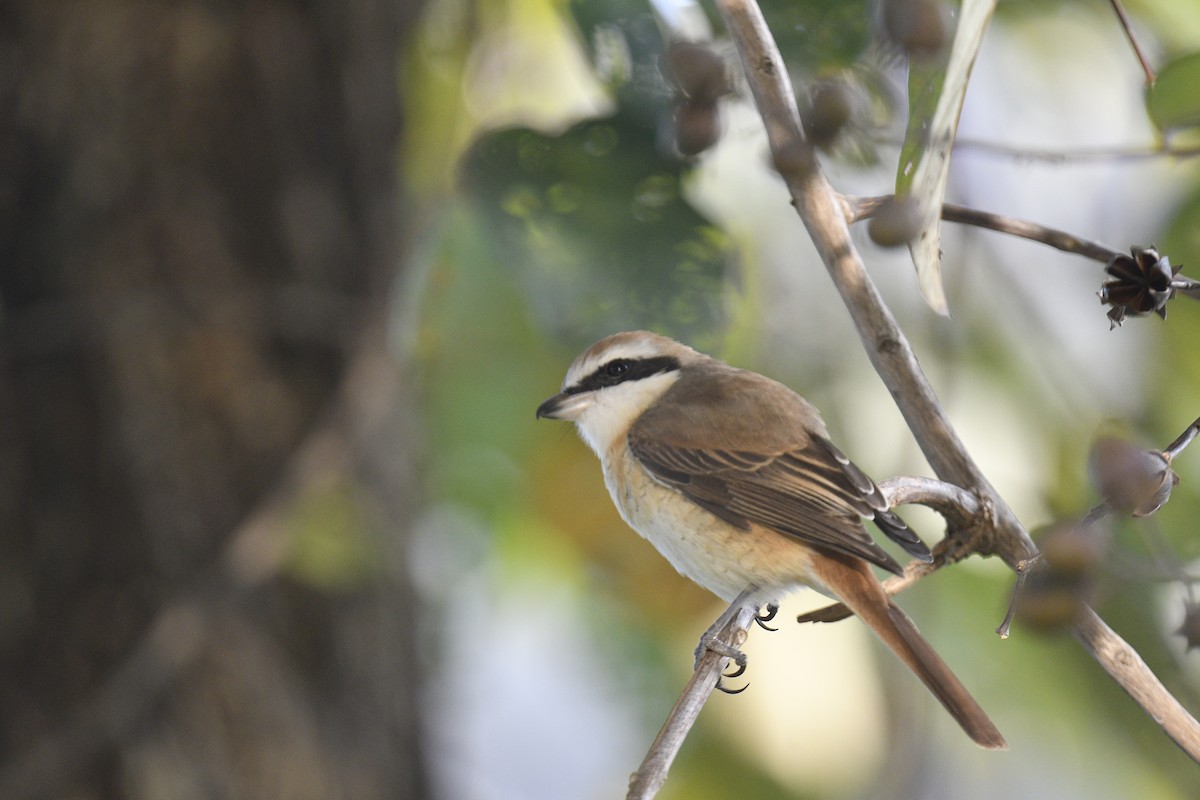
x=733, y=478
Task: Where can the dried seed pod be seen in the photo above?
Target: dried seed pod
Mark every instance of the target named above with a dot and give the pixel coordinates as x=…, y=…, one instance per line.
x=922, y=27
x=698, y=70
x=1064, y=581
x=829, y=108
x=1074, y=550
x=697, y=126
x=1132, y=480
x=1142, y=283
x=895, y=222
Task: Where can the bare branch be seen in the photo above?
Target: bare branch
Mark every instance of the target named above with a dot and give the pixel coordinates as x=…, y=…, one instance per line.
x=820, y=208
x=957, y=505
x=652, y=774
x=1126, y=667
x=962, y=511
x=1186, y=287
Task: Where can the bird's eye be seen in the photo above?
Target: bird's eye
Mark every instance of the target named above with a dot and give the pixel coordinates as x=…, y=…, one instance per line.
x=615, y=369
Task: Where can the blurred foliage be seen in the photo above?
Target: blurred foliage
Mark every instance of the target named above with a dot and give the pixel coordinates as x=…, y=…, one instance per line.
x=329, y=539
x=593, y=223
x=820, y=35
x=562, y=230
x=625, y=45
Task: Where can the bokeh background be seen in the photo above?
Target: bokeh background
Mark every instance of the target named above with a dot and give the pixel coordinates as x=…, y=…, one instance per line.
x=284, y=282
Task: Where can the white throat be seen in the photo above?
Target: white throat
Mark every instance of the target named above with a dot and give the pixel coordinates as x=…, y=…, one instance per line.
x=614, y=409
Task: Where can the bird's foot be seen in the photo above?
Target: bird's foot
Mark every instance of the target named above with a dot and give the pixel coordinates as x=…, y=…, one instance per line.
x=711, y=641
x=766, y=615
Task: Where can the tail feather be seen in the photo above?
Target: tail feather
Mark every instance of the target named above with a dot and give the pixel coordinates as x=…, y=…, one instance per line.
x=933, y=671
x=853, y=582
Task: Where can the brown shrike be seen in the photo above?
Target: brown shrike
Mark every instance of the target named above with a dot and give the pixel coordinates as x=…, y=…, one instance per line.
x=732, y=477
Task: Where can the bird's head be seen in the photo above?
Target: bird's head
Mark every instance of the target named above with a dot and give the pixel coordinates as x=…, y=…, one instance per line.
x=613, y=382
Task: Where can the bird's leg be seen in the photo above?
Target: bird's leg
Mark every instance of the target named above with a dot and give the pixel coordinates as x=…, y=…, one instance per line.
x=711, y=640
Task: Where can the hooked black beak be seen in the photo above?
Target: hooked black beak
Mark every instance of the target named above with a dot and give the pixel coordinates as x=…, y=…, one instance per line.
x=549, y=408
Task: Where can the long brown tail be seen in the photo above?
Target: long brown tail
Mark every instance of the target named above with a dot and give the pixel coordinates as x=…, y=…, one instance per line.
x=854, y=584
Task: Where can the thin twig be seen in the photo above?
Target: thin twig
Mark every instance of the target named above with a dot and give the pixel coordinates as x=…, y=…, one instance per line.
x=1077, y=154
x=1005, y=626
x=1097, y=513
x=1110, y=153
x=1186, y=287
x=1128, y=28
x=857, y=209
x=914, y=571
x=652, y=774
x=860, y=208
x=1176, y=447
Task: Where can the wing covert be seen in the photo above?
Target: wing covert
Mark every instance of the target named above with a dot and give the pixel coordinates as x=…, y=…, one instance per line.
x=805, y=492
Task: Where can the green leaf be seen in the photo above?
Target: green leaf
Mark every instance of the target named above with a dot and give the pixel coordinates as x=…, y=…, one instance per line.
x=1173, y=101
x=936, y=89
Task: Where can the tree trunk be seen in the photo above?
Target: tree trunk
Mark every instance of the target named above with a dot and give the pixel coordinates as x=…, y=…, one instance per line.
x=198, y=225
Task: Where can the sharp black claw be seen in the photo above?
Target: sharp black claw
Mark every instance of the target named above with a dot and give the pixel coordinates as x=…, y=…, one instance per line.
x=726, y=690
x=741, y=668
x=765, y=616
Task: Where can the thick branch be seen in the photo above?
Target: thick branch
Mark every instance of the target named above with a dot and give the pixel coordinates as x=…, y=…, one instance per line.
x=820, y=209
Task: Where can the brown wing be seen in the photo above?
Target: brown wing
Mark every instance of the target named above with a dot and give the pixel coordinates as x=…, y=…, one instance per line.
x=772, y=464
